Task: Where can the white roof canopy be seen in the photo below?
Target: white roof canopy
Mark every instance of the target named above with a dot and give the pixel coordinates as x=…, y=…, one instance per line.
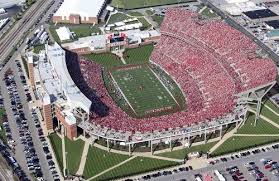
x=84, y=8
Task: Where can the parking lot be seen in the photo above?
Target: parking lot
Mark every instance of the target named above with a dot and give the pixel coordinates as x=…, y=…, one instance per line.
x=27, y=139
x=256, y=165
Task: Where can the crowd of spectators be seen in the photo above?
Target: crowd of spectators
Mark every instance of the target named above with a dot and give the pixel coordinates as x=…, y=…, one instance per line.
x=235, y=51
x=210, y=61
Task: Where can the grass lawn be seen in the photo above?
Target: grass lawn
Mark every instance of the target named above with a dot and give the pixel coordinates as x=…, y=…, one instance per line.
x=143, y=90
x=138, y=55
x=117, y=17
x=85, y=30
x=271, y=105
x=131, y=4
x=54, y=35
x=145, y=24
x=135, y=13
x=237, y=143
x=74, y=150
x=262, y=127
x=269, y=114
x=107, y=60
x=38, y=48
x=158, y=19
x=56, y=143
x=99, y=160
x=182, y=153
x=209, y=13
x=2, y=131
x=136, y=166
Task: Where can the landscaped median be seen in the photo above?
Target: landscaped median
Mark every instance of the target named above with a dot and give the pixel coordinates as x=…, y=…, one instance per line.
x=2, y=130
x=56, y=143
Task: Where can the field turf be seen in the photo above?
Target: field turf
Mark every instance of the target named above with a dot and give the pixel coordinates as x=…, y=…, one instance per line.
x=138, y=55
x=143, y=90
x=2, y=131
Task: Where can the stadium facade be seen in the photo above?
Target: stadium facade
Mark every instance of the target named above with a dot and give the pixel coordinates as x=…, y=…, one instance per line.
x=217, y=67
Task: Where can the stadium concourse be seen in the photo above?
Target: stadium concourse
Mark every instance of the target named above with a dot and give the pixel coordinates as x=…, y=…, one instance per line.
x=216, y=67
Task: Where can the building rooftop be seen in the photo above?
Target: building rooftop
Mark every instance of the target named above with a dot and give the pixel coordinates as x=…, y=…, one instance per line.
x=84, y=8
x=63, y=81
x=273, y=33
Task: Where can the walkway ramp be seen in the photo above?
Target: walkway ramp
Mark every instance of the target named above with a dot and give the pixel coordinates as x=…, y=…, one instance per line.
x=83, y=158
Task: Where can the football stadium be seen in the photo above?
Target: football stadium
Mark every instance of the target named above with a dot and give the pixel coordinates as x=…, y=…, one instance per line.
x=197, y=79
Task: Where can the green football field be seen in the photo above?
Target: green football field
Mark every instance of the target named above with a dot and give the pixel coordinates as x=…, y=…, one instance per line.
x=145, y=94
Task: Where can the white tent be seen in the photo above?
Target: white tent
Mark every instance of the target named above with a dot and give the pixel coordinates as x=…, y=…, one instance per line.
x=64, y=33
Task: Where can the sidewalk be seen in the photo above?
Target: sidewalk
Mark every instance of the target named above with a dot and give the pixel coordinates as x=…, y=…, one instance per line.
x=107, y=170
x=83, y=158
x=225, y=137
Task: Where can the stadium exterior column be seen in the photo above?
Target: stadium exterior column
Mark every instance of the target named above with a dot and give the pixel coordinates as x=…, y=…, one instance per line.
x=236, y=125
x=189, y=142
x=108, y=144
x=170, y=144
x=151, y=147
x=221, y=129
x=204, y=135
x=259, y=102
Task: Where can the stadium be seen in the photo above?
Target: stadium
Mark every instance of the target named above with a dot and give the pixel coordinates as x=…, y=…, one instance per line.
x=199, y=78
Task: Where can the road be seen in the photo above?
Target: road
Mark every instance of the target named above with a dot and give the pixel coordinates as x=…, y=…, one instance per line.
x=5, y=171
x=17, y=32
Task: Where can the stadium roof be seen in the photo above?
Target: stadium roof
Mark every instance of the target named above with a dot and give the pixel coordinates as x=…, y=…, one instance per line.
x=85, y=8
x=75, y=97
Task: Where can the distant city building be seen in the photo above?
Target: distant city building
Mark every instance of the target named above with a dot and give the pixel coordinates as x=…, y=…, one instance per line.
x=79, y=12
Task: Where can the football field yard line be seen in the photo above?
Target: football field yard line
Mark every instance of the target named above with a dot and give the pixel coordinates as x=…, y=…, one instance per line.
x=122, y=93
x=164, y=86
